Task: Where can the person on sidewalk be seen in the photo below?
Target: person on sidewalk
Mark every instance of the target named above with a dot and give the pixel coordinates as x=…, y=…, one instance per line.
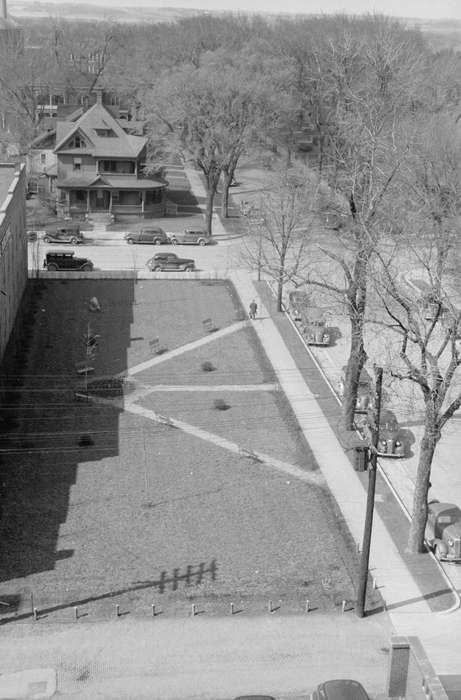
x=253, y=309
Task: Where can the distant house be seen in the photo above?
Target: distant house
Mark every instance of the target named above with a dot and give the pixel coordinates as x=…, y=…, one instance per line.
x=100, y=168
x=41, y=163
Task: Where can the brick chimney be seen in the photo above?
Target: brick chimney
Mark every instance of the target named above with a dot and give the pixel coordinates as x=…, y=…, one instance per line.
x=98, y=91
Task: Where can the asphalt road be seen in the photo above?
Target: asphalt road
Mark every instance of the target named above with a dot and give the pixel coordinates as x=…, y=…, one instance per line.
x=118, y=255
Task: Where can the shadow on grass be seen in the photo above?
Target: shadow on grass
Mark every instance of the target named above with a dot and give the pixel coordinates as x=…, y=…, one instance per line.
x=194, y=575
x=44, y=433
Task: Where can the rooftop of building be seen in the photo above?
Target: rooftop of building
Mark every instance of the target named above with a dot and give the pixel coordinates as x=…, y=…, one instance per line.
x=7, y=173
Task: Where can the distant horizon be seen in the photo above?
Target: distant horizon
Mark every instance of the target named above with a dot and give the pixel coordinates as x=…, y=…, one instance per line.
x=408, y=9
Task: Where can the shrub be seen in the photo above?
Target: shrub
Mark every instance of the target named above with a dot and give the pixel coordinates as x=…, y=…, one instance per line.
x=208, y=366
x=221, y=405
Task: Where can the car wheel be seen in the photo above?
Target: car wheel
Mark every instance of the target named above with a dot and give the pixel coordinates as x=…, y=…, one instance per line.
x=438, y=552
x=174, y=241
x=188, y=268
x=46, y=239
x=157, y=268
x=52, y=267
x=87, y=268
x=157, y=241
x=130, y=241
x=74, y=241
x=202, y=242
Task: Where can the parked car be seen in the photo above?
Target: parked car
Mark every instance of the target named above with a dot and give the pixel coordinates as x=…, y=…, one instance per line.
x=443, y=531
x=170, y=261
x=153, y=236
x=297, y=302
x=390, y=443
x=191, y=236
x=66, y=260
x=364, y=390
x=69, y=233
x=314, y=327
x=255, y=697
x=340, y=689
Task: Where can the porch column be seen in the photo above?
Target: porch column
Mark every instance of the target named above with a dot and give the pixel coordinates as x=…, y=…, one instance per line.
x=88, y=201
x=110, y=201
x=143, y=201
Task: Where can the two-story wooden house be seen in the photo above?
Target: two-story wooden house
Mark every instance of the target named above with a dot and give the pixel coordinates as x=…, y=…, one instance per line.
x=100, y=169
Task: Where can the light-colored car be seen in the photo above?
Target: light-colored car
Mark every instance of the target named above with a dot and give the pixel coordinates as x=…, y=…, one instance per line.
x=297, y=302
x=364, y=390
x=341, y=689
x=443, y=531
x=314, y=327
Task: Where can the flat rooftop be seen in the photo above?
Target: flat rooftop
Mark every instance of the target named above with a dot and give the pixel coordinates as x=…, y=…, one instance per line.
x=7, y=171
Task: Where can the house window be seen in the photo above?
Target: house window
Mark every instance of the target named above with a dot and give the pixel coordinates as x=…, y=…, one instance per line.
x=77, y=163
x=43, y=158
x=107, y=133
x=80, y=195
x=115, y=195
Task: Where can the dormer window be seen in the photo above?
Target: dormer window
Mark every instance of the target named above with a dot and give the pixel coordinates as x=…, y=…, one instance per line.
x=105, y=133
x=76, y=142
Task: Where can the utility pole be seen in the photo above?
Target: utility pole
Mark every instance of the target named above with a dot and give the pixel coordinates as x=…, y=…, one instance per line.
x=373, y=418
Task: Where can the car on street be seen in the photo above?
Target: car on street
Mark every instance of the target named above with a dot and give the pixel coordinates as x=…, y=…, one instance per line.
x=364, y=390
x=70, y=233
x=341, y=689
x=66, y=260
x=297, y=302
x=162, y=262
x=191, y=236
x=314, y=327
x=443, y=531
x=149, y=236
x=390, y=441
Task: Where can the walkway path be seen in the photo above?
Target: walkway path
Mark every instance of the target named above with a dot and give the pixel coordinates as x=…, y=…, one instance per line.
x=409, y=612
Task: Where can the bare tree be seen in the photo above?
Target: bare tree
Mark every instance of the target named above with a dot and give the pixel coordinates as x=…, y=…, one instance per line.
x=278, y=228
x=206, y=113
x=427, y=317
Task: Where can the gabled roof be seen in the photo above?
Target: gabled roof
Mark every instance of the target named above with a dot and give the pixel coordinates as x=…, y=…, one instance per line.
x=41, y=141
x=121, y=145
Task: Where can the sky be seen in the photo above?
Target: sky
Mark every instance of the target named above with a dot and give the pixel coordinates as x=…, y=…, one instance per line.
x=425, y=9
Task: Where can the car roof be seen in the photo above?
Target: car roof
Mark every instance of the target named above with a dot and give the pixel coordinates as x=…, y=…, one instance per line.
x=66, y=225
x=299, y=297
x=60, y=252
x=439, y=508
x=342, y=689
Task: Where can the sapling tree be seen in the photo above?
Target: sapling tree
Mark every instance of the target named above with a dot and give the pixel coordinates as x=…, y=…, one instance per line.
x=278, y=228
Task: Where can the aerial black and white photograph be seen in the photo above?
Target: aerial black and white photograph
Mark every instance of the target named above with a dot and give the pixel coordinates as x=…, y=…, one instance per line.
x=230, y=349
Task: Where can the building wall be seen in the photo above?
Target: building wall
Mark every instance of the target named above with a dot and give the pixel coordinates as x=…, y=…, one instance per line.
x=13, y=251
x=66, y=166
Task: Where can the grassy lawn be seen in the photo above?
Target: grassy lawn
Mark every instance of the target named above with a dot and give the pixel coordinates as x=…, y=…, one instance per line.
x=103, y=506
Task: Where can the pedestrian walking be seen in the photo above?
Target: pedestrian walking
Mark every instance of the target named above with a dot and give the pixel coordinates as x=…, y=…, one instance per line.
x=253, y=309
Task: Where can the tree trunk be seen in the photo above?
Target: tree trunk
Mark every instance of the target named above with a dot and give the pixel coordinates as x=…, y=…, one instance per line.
x=355, y=364
x=227, y=179
x=280, y=284
x=419, y=514
x=213, y=176
x=209, y=210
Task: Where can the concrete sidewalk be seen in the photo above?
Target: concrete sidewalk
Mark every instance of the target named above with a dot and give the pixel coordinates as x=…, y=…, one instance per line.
x=408, y=610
